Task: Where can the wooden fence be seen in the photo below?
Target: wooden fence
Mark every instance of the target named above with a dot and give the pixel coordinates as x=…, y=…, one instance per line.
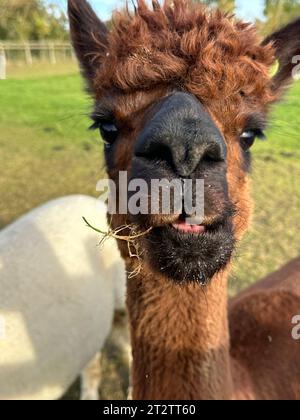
x=28, y=52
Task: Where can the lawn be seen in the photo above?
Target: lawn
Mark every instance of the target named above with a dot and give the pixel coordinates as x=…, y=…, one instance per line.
x=45, y=147
x=273, y=239
x=46, y=151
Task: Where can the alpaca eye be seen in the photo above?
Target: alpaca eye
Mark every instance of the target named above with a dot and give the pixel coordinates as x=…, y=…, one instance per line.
x=248, y=138
x=109, y=132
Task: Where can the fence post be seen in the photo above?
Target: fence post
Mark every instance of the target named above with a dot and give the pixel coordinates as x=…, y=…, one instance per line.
x=52, y=54
x=2, y=63
x=73, y=56
x=28, y=55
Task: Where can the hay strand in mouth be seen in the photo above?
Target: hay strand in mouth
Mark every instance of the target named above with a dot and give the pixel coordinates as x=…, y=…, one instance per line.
x=116, y=233
x=131, y=240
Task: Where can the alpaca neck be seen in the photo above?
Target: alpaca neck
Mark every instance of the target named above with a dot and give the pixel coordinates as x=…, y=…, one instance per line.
x=180, y=339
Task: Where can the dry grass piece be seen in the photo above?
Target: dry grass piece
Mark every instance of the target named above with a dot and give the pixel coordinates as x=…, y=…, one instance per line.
x=131, y=240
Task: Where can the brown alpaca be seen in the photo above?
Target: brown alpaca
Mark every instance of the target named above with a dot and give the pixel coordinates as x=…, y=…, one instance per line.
x=183, y=92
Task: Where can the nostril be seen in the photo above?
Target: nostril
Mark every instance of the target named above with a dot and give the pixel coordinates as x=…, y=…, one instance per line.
x=213, y=153
x=157, y=152
x=165, y=154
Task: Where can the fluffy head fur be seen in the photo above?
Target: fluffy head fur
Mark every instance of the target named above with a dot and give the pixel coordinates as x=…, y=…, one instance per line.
x=183, y=46
x=208, y=53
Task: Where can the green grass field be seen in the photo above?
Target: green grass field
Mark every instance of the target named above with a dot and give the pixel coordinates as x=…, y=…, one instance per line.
x=45, y=147
x=46, y=151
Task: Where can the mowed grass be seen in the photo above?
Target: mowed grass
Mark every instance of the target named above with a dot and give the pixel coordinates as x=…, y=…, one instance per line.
x=46, y=151
x=45, y=148
x=274, y=238
x=41, y=68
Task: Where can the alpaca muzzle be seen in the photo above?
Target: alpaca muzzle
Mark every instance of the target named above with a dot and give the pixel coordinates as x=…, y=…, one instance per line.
x=181, y=134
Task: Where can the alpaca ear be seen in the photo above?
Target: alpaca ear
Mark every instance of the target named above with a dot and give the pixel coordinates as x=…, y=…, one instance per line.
x=287, y=46
x=88, y=34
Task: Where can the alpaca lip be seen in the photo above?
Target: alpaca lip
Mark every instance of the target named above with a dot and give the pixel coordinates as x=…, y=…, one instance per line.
x=184, y=227
x=186, y=253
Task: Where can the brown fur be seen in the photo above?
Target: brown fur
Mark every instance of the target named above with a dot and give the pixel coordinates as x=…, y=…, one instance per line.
x=185, y=346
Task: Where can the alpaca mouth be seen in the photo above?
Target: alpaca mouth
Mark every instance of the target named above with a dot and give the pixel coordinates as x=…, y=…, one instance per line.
x=186, y=230
x=190, y=226
x=186, y=253
x=183, y=226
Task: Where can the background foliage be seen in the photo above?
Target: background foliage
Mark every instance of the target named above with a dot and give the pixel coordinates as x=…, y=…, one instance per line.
x=38, y=20
x=33, y=20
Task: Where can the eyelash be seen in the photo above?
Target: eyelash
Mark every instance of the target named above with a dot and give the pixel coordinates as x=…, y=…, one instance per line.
x=95, y=126
x=108, y=130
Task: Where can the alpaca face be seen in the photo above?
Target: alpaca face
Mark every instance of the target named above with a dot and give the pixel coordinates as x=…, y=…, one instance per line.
x=178, y=140
x=181, y=93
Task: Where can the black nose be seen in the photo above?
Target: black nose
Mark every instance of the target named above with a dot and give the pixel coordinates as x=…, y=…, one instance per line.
x=181, y=133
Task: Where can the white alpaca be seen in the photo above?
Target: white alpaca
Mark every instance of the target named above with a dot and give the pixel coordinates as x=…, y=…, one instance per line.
x=58, y=295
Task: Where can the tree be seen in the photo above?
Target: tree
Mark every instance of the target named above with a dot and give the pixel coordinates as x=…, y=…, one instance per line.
x=277, y=13
x=225, y=5
x=31, y=20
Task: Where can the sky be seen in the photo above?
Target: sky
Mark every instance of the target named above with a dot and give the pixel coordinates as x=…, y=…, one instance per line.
x=248, y=10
